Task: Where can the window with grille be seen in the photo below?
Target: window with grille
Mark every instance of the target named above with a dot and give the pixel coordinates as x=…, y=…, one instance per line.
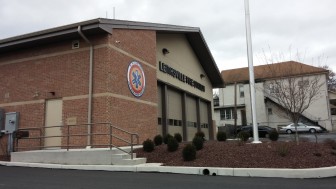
x=226, y=113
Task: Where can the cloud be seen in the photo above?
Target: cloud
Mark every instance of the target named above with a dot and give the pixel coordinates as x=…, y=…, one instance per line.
x=306, y=25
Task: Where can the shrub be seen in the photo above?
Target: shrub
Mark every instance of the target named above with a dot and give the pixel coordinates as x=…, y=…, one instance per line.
x=178, y=137
x=273, y=135
x=221, y=136
x=198, y=142
x=189, y=152
x=166, y=137
x=283, y=150
x=333, y=146
x=333, y=152
x=331, y=143
x=243, y=136
x=200, y=134
x=148, y=145
x=158, y=140
x=172, y=144
x=318, y=154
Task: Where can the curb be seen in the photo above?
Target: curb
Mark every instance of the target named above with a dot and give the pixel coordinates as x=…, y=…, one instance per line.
x=156, y=167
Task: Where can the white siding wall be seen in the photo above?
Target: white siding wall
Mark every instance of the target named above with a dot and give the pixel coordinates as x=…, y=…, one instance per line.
x=319, y=109
x=226, y=99
x=260, y=105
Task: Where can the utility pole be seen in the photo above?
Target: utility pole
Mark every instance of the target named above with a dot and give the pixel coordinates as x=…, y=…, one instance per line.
x=251, y=71
x=235, y=108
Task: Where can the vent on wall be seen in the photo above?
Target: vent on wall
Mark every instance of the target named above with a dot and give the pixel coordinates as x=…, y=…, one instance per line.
x=75, y=44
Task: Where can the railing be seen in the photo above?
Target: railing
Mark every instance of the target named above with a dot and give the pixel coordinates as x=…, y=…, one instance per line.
x=67, y=135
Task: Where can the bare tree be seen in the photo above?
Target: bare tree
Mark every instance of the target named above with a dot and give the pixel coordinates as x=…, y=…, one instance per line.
x=331, y=78
x=294, y=86
x=215, y=93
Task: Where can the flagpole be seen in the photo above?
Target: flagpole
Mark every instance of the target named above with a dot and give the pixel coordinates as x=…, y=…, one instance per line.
x=251, y=71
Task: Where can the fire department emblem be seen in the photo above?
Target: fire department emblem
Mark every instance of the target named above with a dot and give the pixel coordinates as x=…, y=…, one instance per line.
x=136, y=79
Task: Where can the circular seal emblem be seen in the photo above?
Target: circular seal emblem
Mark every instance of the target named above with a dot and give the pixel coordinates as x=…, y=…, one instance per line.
x=136, y=79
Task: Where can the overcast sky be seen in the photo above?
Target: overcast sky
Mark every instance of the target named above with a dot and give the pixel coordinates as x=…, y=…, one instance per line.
x=278, y=26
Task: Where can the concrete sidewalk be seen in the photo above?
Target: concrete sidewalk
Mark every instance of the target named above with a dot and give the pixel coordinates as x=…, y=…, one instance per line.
x=156, y=167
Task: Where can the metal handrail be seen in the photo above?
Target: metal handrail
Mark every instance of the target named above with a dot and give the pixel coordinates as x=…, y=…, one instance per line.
x=68, y=137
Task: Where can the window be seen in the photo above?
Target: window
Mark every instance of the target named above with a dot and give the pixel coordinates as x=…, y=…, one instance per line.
x=216, y=101
x=159, y=121
x=177, y=122
x=333, y=111
x=270, y=111
x=303, y=83
x=204, y=125
x=191, y=124
x=241, y=91
x=226, y=113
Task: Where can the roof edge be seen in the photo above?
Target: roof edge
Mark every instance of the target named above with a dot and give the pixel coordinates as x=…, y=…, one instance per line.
x=103, y=22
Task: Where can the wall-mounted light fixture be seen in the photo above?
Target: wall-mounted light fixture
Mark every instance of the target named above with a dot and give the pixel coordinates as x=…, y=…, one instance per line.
x=202, y=76
x=52, y=93
x=165, y=51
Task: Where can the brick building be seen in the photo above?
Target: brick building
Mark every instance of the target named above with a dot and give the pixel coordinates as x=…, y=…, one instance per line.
x=142, y=77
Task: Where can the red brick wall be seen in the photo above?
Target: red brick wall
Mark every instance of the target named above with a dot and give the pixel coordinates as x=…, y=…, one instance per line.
x=133, y=116
x=66, y=74
x=78, y=109
x=39, y=70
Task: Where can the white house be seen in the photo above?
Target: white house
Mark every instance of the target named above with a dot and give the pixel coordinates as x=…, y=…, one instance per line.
x=236, y=96
x=332, y=100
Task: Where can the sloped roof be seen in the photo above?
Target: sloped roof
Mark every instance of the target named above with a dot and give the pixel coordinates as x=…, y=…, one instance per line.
x=100, y=25
x=269, y=71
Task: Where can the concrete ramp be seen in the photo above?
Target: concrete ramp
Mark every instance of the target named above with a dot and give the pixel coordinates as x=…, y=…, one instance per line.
x=94, y=156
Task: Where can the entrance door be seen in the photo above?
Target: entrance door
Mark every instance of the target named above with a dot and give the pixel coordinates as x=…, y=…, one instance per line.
x=53, y=117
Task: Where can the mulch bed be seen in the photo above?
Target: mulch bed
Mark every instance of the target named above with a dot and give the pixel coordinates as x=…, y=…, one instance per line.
x=236, y=155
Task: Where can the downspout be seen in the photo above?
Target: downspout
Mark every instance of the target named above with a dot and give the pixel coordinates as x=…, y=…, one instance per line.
x=89, y=116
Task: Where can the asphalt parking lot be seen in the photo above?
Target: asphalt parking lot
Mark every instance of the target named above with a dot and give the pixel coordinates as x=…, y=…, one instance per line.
x=308, y=136
x=37, y=178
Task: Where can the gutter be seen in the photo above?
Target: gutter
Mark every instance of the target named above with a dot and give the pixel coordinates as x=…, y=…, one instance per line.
x=89, y=116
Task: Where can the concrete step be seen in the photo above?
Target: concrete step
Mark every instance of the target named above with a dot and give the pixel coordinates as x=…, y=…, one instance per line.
x=78, y=157
x=134, y=161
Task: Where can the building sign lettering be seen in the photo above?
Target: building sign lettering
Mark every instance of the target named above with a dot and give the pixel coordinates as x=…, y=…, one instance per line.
x=180, y=76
